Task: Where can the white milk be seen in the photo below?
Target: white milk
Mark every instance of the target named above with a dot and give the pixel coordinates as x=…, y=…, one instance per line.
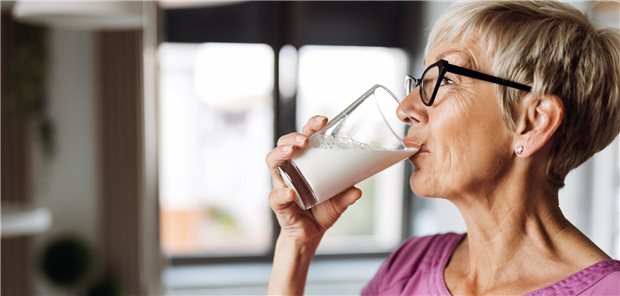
x=332, y=167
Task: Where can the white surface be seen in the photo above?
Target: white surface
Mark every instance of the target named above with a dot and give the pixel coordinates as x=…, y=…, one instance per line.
x=606, y=199
x=591, y=196
x=217, y=79
x=68, y=179
x=333, y=277
x=89, y=15
x=66, y=182
x=331, y=77
x=19, y=221
x=214, y=158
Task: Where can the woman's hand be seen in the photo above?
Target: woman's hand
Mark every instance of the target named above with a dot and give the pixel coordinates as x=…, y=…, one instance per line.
x=303, y=226
x=301, y=230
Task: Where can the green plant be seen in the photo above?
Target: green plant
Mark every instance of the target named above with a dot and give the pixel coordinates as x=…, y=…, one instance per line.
x=28, y=69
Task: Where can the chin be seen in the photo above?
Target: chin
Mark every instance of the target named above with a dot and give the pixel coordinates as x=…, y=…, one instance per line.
x=423, y=186
x=418, y=186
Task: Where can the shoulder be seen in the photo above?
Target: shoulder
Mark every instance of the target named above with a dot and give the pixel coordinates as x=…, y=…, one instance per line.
x=609, y=281
x=414, y=260
x=602, y=278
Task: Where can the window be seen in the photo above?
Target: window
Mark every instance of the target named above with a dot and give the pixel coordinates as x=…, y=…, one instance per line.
x=216, y=123
x=218, y=98
x=220, y=95
x=217, y=83
x=217, y=126
x=330, y=78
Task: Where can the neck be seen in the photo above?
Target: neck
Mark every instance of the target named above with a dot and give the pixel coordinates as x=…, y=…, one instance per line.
x=506, y=221
x=515, y=228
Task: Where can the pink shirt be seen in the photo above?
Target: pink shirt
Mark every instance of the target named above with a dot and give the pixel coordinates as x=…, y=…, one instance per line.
x=416, y=268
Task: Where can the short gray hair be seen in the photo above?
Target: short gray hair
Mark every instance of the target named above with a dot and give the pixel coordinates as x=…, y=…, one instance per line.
x=554, y=48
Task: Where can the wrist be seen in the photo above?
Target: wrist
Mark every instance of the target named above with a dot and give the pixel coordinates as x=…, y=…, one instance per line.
x=291, y=262
x=302, y=247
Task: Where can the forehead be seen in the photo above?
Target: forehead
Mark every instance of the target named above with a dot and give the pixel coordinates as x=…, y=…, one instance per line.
x=465, y=53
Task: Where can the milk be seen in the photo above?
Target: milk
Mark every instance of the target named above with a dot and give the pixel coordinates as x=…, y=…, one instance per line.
x=331, y=165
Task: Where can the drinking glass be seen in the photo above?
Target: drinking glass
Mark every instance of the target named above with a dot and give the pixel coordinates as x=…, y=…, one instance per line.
x=364, y=139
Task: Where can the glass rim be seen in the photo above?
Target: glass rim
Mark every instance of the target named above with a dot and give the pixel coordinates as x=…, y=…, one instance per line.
x=399, y=102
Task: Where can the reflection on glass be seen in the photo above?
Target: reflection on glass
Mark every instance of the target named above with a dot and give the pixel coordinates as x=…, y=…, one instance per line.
x=216, y=126
x=329, y=79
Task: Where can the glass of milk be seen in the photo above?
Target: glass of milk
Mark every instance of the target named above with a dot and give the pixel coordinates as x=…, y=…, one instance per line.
x=364, y=139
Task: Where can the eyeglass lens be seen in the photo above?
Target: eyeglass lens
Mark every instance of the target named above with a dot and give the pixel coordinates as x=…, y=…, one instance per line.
x=410, y=84
x=429, y=82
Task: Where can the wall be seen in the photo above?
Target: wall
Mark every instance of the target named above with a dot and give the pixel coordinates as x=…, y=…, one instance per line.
x=66, y=182
x=590, y=198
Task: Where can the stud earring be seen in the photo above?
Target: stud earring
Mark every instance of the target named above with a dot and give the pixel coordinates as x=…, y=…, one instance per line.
x=519, y=149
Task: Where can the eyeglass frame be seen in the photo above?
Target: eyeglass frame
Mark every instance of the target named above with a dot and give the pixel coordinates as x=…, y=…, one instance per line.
x=444, y=67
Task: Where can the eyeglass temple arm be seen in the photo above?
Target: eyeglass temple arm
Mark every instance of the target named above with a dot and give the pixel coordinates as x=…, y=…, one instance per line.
x=485, y=77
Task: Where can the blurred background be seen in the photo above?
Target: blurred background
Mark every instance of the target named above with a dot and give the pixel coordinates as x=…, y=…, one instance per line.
x=134, y=137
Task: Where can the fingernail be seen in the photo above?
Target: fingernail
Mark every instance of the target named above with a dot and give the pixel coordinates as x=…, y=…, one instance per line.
x=300, y=139
x=286, y=148
x=319, y=118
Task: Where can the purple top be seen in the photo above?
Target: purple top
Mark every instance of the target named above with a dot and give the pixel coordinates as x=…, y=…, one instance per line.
x=416, y=268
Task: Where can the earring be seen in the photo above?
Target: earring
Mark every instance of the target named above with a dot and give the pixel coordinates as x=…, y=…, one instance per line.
x=519, y=149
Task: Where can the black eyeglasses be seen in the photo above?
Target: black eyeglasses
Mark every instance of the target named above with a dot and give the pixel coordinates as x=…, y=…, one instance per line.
x=433, y=78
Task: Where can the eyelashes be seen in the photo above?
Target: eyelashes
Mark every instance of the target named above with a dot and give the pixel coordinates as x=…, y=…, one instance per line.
x=446, y=81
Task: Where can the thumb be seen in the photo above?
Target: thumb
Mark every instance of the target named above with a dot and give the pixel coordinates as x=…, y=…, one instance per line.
x=346, y=198
x=328, y=212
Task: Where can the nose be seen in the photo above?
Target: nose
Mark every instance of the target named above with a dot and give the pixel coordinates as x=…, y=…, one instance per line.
x=411, y=110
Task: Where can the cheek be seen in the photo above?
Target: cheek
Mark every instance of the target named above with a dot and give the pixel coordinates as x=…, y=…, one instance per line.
x=466, y=146
x=453, y=139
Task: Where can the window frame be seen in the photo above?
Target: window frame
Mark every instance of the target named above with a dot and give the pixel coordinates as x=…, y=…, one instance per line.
x=298, y=23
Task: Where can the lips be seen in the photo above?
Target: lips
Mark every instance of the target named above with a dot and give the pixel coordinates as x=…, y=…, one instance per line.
x=423, y=150
x=413, y=139
x=412, y=143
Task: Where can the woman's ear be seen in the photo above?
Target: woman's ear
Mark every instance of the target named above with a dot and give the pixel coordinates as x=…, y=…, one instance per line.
x=540, y=117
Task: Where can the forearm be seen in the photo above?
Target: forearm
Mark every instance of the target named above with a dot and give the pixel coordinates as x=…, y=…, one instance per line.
x=290, y=266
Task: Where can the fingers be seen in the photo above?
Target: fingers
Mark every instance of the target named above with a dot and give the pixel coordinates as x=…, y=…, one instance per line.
x=343, y=200
x=293, y=139
x=274, y=157
x=279, y=154
x=288, y=144
x=328, y=212
x=314, y=124
x=281, y=198
x=286, y=147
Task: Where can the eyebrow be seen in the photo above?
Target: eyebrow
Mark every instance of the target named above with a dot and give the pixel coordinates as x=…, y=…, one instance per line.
x=469, y=60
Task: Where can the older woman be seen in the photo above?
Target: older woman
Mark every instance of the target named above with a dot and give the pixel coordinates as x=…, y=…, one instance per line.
x=515, y=96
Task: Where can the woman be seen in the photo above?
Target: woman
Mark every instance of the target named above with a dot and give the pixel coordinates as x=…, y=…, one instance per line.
x=498, y=147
